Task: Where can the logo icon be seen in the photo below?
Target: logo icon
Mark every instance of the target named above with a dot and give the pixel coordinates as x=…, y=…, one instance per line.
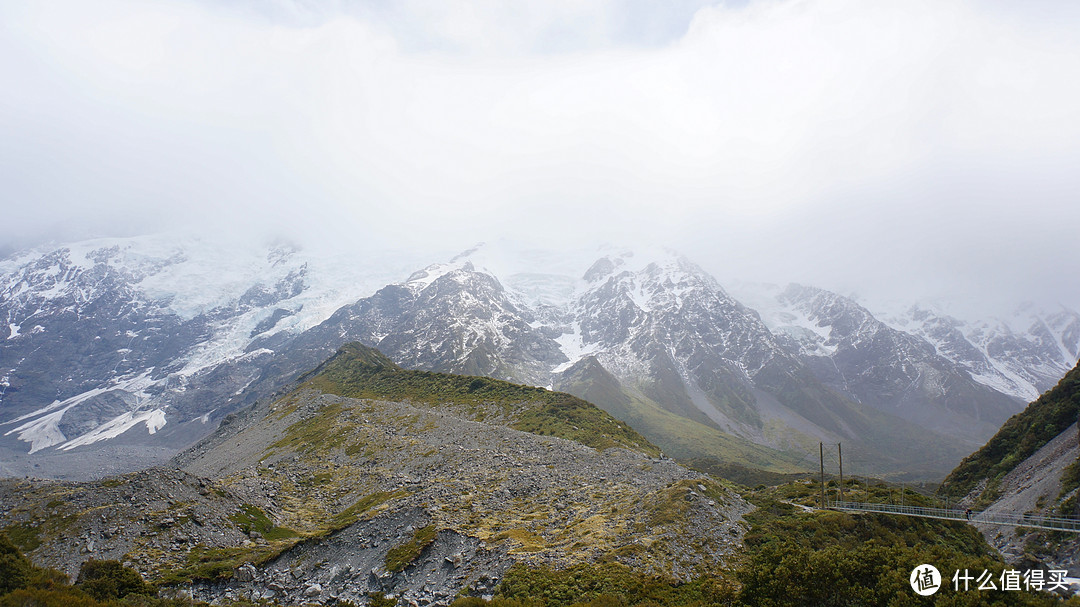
x=925, y=580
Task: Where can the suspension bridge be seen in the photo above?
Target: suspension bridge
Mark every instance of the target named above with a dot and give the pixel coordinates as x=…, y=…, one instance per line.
x=1005, y=519
x=953, y=514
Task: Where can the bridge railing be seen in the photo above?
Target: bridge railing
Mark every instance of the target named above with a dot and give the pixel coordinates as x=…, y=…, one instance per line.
x=992, y=518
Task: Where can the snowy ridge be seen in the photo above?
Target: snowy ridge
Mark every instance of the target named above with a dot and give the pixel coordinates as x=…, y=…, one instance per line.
x=161, y=314
x=43, y=428
x=884, y=366
x=153, y=419
x=1023, y=354
x=423, y=279
x=573, y=346
x=152, y=333
x=631, y=312
x=786, y=317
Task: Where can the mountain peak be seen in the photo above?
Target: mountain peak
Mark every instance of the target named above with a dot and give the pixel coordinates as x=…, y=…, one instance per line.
x=601, y=269
x=359, y=354
x=422, y=279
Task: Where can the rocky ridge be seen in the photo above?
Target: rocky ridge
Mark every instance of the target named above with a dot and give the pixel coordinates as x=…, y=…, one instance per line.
x=307, y=497
x=1032, y=465
x=126, y=350
x=872, y=363
x=1035, y=486
x=1023, y=355
x=690, y=359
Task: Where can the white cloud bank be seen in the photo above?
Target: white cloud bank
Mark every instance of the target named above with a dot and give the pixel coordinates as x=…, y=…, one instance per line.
x=909, y=145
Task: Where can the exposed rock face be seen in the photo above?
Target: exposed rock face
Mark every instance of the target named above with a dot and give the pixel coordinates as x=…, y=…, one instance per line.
x=449, y=318
x=1031, y=466
x=350, y=564
x=324, y=490
x=1023, y=355
x=670, y=324
x=125, y=351
x=1035, y=486
x=127, y=341
x=870, y=362
x=133, y=518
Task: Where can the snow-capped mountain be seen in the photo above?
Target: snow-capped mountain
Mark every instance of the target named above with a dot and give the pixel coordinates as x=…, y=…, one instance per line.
x=1024, y=354
x=142, y=343
x=657, y=326
x=151, y=333
x=448, y=317
x=670, y=323
x=873, y=363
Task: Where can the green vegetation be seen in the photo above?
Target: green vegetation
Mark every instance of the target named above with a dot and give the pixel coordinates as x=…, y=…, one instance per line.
x=105, y=580
x=315, y=433
x=378, y=599
x=1070, y=481
x=15, y=569
x=671, y=506
x=26, y=537
x=1021, y=436
x=353, y=513
x=100, y=584
x=604, y=584
x=837, y=558
x=682, y=437
x=664, y=413
x=1070, y=478
x=678, y=435
x=360, y=372
x=251, y=518
x=218, y=564
x=793, y=557
x=746, y=476
x=399, y=557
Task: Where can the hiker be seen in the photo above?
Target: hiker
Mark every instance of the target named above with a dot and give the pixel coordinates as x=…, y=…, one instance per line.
x=968, y=514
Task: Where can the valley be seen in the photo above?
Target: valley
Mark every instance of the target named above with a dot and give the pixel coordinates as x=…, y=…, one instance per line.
x=407, y=443
x=121, y=361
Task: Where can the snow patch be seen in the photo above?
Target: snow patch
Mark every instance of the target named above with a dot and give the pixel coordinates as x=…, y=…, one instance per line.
x=785, y=317
x=154, y=420
x=14, y=328
x=422, y=279
x=44, y=431
x=574, y=347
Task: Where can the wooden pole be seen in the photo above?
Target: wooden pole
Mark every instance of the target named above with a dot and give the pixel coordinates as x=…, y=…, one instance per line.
x=840, y=454
x=821, y=460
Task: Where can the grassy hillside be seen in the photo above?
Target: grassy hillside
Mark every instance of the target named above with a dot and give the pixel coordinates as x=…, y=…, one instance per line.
x=357, y=371
x=679, y=436
x=1019, y=438
x=792, y=557
x=886, y=445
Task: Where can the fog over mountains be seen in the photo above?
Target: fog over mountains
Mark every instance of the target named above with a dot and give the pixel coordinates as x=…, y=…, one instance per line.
x=118, y=352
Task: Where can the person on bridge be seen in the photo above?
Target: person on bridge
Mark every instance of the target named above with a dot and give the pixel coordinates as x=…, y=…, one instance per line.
x=968, y=514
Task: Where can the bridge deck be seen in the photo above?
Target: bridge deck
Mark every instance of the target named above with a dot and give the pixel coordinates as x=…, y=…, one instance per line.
x=952, y=514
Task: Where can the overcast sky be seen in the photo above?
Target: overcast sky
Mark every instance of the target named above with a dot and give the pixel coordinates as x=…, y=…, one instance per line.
x=891, y=148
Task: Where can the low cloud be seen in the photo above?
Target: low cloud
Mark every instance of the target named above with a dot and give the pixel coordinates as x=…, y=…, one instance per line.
x=918, y=147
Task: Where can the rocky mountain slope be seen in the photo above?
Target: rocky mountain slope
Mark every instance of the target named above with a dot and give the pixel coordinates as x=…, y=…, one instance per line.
x=699, y=371
x=125, y=351
x=141, y=345
x=1019, y=438
x=1023, y=355
x=856, y=354
x=423, y=493
x=677, y=342
x=1032, y=465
